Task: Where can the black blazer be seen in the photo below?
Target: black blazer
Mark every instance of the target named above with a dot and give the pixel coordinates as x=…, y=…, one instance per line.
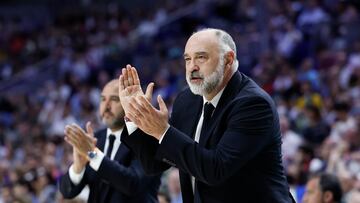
x=238, y=159
x=123, y=178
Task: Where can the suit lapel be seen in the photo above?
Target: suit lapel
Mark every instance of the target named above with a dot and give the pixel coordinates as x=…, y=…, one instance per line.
x=101, y=137
x=122, y=150
x=192, y=115
x=120, y=157
x=237, y=82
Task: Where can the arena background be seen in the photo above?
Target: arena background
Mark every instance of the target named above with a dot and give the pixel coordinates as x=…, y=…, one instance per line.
x=55, y=56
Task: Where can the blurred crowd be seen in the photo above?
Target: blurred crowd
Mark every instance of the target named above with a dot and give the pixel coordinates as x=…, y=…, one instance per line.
x=304, y=53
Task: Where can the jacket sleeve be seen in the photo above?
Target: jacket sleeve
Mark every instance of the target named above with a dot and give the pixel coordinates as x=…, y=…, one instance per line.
x=145, y=147
x=130, y=180
x=68, y=189
x=246, y=129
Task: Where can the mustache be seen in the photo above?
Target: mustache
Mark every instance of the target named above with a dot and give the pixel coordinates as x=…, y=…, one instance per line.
x=195, y=74
x=107, y=111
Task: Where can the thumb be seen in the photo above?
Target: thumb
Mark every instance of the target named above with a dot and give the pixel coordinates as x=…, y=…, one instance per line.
x=89, y=129
x=162, y=104
x=149, y=91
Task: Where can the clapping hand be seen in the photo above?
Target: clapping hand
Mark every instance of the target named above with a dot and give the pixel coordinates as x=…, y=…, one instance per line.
x=137, y=105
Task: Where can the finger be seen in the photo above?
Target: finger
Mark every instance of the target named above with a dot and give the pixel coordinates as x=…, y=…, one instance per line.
x=125, y=75
x=121, y=83
x=149, y=91
x=79, y=130
x=95, y=141
x=162, y=104
x=129, y=74
x=89, y=129
x=67, y=140
x=136, y=109
x=70, y=137
x=82, y=135
x=135, y=76
x=134, y=119
x=77, y=135
x=145, y=105
x=70, y=142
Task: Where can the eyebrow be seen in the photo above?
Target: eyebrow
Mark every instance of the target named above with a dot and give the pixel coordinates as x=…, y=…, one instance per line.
x=111, y=96
x=197, y=53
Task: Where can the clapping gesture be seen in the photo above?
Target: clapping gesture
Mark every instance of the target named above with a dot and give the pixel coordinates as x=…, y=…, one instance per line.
x=137, y=105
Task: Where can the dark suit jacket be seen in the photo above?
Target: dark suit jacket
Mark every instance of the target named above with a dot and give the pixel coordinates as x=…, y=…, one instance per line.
x=123, y=178
x=238, y=159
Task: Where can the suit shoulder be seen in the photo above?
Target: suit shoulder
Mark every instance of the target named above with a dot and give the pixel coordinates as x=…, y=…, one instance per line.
x=253, y=92
x=100, y=133
x=186, y=92
x=186, y=96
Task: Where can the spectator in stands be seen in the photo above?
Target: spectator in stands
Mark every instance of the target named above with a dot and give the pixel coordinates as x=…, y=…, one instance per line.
x=323, y=188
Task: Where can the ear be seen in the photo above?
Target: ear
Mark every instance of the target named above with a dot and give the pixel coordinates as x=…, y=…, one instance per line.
x=229, y=58
x=328, y=197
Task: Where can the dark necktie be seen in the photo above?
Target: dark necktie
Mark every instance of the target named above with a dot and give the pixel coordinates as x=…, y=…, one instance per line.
x=111, y=145
x=104, y=190
x=208, y=111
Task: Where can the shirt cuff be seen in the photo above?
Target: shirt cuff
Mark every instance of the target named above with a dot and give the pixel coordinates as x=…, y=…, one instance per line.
x=96, y=161
x=75, y=177
x=163, y=135
x=131, y=127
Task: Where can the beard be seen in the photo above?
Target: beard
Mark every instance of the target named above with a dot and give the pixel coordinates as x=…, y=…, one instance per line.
x=113, y=121
x=209, y=83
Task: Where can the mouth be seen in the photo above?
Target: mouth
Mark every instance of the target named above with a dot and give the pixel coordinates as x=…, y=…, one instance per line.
x=107, y=114
x=196, y=79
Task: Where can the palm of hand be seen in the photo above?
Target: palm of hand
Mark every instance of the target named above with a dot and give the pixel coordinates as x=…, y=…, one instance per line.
x=133, y=90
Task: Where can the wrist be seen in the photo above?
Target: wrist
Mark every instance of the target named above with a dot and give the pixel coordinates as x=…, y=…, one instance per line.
x=77, y=167
x=162, y=132
x=92, y=154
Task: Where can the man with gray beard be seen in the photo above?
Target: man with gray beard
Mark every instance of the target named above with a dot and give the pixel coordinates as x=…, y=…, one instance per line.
x=103, y=162
x=223, y=132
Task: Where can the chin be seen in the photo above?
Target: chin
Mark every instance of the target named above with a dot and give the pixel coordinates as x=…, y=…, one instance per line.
x=196, y=90
x=107, y=122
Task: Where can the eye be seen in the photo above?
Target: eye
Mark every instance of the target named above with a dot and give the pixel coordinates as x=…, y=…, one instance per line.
x=201, y=57
x=187, y=58
x=116, y=99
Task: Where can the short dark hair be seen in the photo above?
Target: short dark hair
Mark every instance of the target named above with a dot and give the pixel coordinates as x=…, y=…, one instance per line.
x=329, y=182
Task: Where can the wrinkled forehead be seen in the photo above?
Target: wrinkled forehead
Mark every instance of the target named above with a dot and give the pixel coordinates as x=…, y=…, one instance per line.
x=204, y=41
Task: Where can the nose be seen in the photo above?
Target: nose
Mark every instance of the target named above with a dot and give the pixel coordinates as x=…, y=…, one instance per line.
x=107, y=105
x=192, y=66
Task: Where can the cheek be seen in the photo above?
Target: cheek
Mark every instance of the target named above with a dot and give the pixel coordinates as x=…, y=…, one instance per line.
x=101, y=109
x=187, y=70
x=118, y=110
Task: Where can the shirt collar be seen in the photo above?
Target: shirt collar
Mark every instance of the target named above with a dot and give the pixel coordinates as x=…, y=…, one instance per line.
x=116, y=133
x=216, y=99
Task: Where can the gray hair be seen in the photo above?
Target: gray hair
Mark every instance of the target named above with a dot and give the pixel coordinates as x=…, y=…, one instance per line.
x=226, y=44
